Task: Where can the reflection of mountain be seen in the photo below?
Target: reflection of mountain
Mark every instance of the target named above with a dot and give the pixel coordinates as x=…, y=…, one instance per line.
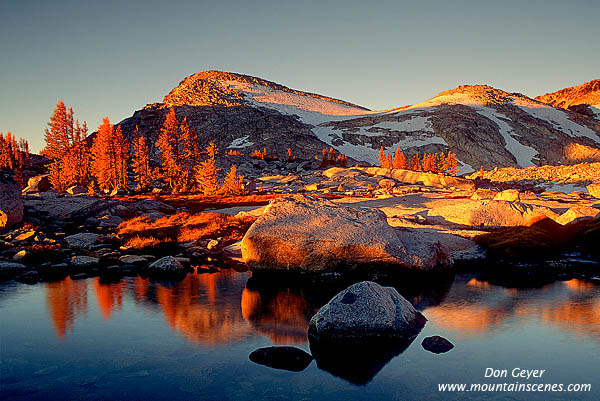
x=283, y=316
x=66, y=300
x=477, y=308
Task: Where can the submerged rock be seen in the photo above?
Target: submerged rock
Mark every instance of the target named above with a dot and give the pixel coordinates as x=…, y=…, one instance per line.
x=286, y=358
x=311, y=234
x=366, y=310
x=437, y=344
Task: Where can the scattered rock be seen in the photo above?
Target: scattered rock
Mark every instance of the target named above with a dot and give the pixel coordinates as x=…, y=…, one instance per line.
x=82, y=240
x=365, y=310
x=8, y=269
x=212, y=244
x=84, y=261
x=25, y=236
x=133, y=260
x=167, y=264
x=20, y=255
x=30, y=277
x=437, y=344
x=110, y=221
x=286, y=358
x=387, y=183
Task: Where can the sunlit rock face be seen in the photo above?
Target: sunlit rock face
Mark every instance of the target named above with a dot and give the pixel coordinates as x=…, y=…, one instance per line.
x=482, y=125
x=584, y=98
x=309, y=234
x=11, y=203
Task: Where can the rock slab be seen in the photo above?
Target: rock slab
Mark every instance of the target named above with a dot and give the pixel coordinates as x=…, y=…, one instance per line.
x=11, y=203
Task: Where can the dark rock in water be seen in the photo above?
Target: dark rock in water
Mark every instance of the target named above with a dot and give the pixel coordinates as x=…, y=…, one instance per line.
x=366, y=310
x=437, y=344
x=30, y=277
x=357, y=361
x=167, y=264
x=11, y=269
x=286, y=358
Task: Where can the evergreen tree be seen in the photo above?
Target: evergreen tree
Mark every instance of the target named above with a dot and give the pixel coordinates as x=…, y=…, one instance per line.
x=207, y=172
x=233, y=183
x=451, y=165
x=168, y=144
x=415, y=162
x=141, y=161
x=189, y=155
x=399, y=159
x=110, y=156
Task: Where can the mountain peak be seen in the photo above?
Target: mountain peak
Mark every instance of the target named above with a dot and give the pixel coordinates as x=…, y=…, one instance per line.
x=228, y=89
x=587, y=94
x=474, y=95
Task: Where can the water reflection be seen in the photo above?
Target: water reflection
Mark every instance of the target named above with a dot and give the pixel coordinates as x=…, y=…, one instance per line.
x=475, y=308
x=228, y=306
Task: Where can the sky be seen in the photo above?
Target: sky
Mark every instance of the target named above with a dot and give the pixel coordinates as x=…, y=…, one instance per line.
x=110, y=58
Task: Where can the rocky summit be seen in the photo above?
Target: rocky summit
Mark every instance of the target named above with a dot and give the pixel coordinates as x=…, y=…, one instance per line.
x=584, y=98
x=482, y=125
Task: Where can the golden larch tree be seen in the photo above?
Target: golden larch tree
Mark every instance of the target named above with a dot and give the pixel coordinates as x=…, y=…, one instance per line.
x=207, y=172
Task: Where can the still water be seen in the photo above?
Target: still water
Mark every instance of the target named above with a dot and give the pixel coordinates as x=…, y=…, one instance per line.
x=142, y=340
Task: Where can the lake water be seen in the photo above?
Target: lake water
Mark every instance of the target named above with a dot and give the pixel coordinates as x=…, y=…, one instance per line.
x=140, y=340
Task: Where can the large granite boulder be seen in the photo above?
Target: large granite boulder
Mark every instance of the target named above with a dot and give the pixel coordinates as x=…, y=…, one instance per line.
x=310, y=234
x=82, y=240
x=366, y=310
x=11, y=203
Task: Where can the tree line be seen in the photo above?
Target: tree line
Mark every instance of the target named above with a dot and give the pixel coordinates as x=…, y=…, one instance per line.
x=14, y=155
x=434, y=162
x=104, y=160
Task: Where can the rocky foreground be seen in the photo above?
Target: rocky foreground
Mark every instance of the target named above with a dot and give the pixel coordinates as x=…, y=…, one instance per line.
x=332, y=221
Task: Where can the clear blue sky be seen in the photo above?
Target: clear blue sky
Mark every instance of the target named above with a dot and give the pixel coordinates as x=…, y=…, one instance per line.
x=107, y=58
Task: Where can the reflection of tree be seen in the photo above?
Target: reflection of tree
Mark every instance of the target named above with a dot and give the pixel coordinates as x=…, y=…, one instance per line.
x=66, y=300
x=110, y=296
x=205, y=307
x=478, y=308
x=283, y=316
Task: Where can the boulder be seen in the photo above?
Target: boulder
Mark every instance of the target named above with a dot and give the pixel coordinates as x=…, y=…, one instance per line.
x=437, y=344
x=509, y=195
x=365, y=310
x=285, y=358
x=387, y=183
x=339, y=173
x=311, y=234
x=84, y=261
x=11, y=203
x=39, y=183
x=133, y=260
x=576, y=214
x=77, y=190
x=167, y=264
x=82, y=240
x=9, y=269
x=110, y=221
x=489, y=213
x=594, y=189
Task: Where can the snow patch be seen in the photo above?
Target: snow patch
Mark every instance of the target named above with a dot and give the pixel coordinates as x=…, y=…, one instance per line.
x=239, y=143
x=558, y=118
x=523, y=154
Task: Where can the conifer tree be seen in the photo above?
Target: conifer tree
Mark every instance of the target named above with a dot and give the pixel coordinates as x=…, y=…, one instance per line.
x=399, y=159
x=141, y=161
x=168, y=144
x=415, y=162
x=207, y=172
x=451, y=165
x=110, y=156
x=67, y=148
x=233, y=183
x=381, y=156
x=189, y=155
